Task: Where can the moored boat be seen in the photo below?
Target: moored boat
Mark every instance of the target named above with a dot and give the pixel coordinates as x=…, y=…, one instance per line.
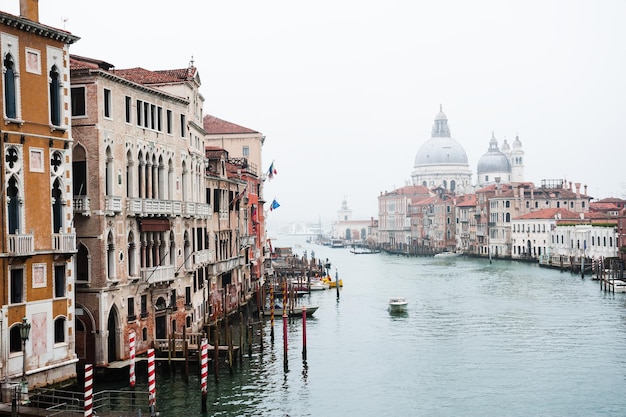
x=448, y=254
x=292, y=312
x=398, y=304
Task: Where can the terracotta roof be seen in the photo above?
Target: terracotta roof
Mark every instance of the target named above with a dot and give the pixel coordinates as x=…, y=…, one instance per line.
x=81, y=62
x=146, y=77
x=215, y=126
x=468, y=200
x=410, y=190
x=550, y=213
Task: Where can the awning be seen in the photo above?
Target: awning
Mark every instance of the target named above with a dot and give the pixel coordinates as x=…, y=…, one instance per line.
x=154, y=225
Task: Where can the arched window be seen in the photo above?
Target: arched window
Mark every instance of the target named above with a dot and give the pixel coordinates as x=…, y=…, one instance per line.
x=55, y=96
x=13, y=205
x=10, y=99
x=16, y=339
x=59, y=330
x=57, y=207
x=131, y=256
x=79, y=166
x=129, y=174
x=82, y=263
x=110, y=256
x=108, y=172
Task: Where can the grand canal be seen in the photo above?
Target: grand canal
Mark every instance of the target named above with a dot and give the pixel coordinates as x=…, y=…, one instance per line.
x=479, y=339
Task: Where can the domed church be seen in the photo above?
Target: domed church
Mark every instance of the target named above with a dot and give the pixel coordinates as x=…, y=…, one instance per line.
x=441, y=161
x=504, y=165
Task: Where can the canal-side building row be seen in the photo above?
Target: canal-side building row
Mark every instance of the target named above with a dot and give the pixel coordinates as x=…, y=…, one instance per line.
x=122, y=213
x=164, y=221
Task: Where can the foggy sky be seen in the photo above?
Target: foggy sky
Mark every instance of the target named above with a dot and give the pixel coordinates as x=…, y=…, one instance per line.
x=346, y=91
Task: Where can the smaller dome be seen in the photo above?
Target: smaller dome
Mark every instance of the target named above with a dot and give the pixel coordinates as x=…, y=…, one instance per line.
x=494, y=161
x=517, y=143
x=505, y=146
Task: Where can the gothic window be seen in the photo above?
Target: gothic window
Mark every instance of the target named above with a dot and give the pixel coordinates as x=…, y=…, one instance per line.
x=55, y=96
x=110, y=257
x=79, y=167
x=13, y=206
x=10, y=95
x=57, y=207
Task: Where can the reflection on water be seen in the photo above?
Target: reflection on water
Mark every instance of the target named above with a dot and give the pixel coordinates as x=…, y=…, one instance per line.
x=499, y=339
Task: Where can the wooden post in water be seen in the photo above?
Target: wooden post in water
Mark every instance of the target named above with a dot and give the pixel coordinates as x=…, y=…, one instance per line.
x=249, y=334
x=216, y=344
x=229, y=338
x=337, y=281
x=272, y=310
x=285, y=360
x=304, y=333
x=186, y=355
x=241, y=327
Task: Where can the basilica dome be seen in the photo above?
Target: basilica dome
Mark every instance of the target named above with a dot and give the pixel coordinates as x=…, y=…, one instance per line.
x=441, y=149
x=494, y=161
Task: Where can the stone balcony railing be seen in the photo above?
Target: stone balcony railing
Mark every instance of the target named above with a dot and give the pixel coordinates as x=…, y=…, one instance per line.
x=157, y=274
x=21, y=244
x=82, y=205
x=64, y=242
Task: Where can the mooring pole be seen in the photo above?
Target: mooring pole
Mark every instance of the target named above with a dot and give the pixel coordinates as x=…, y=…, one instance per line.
x=304, y=333
x=285, y=360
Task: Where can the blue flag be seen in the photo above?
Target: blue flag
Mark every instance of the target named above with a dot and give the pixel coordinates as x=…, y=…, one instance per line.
x=274, y=205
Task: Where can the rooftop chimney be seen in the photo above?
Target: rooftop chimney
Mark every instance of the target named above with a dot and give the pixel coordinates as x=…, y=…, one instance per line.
x=30, y=10
x=577, y=189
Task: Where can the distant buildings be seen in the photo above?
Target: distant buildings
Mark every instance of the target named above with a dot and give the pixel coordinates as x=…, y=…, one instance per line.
x=501, y=215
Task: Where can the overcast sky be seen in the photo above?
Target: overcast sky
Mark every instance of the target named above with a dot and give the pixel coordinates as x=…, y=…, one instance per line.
x=346, y=91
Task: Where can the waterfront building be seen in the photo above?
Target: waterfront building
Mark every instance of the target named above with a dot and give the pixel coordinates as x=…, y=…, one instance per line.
x=229, y=268
x=557, y=232
x=394, y=216
x=38, y=235
x=466, y=223
x=141, y=207
x=243, y=159
x=348, y=229
x=442, y=161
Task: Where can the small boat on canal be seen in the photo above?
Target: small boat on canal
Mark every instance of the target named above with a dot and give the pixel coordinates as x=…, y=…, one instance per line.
x=398, y=304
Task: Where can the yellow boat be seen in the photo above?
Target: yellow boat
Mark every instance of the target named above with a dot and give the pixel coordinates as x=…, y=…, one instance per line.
x=331, y=282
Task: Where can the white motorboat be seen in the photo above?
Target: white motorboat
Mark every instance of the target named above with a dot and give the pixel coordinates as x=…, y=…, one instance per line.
x=319, y=285
x=448, y=254
x=398, y=304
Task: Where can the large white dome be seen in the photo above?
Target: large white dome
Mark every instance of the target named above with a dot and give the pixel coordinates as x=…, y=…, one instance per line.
x=441, y=149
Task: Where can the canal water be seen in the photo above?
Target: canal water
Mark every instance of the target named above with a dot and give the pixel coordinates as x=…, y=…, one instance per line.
x=478, y=339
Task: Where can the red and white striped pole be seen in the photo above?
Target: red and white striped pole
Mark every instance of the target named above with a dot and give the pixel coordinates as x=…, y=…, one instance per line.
x=88, y=390
x=204, y=375
x=151, y=382
x=131, y=343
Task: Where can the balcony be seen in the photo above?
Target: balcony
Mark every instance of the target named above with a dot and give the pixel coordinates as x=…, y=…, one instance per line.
x=82, y=205
x=247, y=241
x=203, y=257
x=64, y=242
x=222, y=267
x=157, y=274
x=113, y=204
x=21, y=244
x=151, y=207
